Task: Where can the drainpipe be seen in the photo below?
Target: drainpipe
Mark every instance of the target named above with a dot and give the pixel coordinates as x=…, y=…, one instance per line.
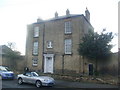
x=43, y=47
x=62, y=64
x=83, y=66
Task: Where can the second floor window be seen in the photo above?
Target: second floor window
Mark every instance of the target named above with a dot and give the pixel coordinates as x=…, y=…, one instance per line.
x=68, y=28
x=68, y=46
x=36, y=31
x=49, y=44
x=35, y=48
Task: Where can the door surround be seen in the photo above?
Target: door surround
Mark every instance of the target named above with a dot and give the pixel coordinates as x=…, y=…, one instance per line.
x=51, y=57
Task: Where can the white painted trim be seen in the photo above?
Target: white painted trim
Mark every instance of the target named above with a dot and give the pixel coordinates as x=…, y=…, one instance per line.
x=48, y=55
x=35, y=64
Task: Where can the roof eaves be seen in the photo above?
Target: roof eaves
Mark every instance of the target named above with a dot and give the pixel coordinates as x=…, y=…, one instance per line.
x=63, y=17
x=39, y=22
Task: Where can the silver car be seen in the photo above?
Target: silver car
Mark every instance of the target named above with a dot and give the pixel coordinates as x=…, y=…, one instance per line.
x=34, y=78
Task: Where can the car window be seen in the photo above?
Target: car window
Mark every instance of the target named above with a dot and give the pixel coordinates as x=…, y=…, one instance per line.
x=28, y=74
x=34, y=74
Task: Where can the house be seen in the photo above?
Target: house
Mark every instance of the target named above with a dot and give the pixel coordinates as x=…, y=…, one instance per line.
x=52, y=45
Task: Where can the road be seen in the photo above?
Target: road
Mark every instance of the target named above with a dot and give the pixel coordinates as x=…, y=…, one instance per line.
x=59, y=84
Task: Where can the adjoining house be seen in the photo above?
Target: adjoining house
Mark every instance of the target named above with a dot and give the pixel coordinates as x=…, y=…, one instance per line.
x=5, y=59
x=52, y=45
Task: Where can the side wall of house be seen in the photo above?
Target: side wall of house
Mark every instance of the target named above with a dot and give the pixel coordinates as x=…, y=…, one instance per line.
x=29, y=47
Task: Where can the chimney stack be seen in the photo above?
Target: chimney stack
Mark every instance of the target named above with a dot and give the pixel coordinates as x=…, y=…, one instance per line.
x=56, y=15
x=39, y=20
x=67, y=12
x=87, y=14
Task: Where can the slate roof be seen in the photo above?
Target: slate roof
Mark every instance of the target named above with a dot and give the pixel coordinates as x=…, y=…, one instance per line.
x=63, y=17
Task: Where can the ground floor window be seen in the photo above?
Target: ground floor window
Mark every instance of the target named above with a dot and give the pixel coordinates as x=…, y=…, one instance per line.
x=35, y=62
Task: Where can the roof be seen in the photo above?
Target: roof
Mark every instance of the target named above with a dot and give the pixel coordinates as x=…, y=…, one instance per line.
x=59, y=18
x=63, y=17
x=4, y=49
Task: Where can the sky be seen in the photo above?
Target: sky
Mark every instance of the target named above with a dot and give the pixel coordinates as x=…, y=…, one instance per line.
x=15, y=15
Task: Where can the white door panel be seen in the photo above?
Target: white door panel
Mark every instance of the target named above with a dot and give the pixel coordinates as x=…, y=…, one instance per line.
x=48, y=63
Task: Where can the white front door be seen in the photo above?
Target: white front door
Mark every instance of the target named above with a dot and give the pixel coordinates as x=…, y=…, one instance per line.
x=48, y=63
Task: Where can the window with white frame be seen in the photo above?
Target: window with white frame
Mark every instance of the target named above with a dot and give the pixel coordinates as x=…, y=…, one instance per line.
x=36, y=31
x=68, y=46
x=49, y=44
x=35, y=48
x=35, y=62
x=68, y=28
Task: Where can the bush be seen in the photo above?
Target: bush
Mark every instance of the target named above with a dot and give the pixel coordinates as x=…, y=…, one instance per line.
x=96, y=73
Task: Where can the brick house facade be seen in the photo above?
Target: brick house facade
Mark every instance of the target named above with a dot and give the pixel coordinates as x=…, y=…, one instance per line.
x=52, y=45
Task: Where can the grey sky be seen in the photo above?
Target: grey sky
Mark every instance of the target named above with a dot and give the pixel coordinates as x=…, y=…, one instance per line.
x=16, y=14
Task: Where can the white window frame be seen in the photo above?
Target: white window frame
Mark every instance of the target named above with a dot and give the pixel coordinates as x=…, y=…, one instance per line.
x=68, y=46
x=68, y=27
x=36, y=31
x=35, y=48
x=49, y=44
x=35, y=62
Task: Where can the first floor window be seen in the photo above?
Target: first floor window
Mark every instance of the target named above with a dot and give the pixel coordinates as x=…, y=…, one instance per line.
x=49, y=44
x=68, y=46
x=68, y=28
x=35, y=62
x=35, y=48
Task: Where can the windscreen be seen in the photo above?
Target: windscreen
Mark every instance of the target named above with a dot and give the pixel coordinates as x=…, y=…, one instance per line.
x=4, y=69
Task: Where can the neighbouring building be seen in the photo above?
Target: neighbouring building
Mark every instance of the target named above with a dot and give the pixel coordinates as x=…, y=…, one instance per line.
x=5, y=59
x=52, y=45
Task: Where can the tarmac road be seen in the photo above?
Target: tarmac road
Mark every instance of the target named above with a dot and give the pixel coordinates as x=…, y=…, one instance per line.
x=59, y=84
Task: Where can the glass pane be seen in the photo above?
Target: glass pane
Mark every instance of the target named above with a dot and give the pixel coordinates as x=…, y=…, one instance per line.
x=35, y=48
x=68, y=46
x=36, y=31
x=68, y=27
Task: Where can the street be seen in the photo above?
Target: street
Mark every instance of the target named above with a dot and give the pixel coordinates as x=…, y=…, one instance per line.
x=14, y=84
x=59, y=84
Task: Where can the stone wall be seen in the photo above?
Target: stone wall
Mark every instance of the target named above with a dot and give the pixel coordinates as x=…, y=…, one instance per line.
x=15, y=65
x=109, y=66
